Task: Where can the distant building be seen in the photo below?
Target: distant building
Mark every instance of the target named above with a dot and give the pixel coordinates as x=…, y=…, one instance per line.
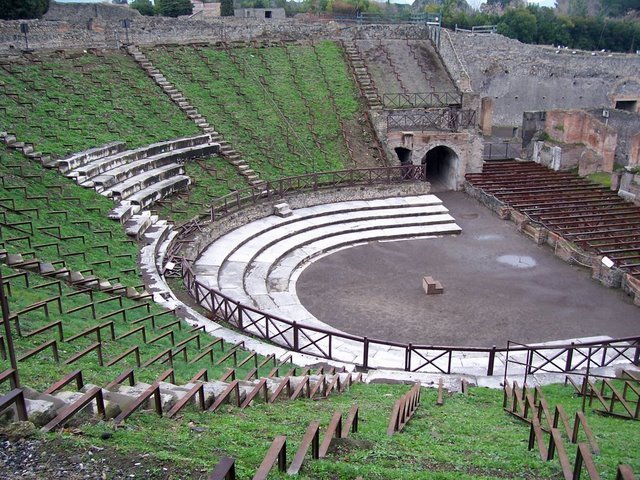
x=260, y=13
x=205, y=9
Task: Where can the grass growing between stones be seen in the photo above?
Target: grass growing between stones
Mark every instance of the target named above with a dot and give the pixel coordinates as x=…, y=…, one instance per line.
x=67, y=102
x=603, y=178
x=469, y=437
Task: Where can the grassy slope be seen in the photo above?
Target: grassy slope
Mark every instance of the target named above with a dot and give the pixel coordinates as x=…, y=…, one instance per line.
x=40, y=371
x=258, y=107
x=76, y=201
x=469, y=437
x=66, y=103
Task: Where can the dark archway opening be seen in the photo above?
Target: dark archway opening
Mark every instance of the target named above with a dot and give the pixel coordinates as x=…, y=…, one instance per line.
x=627, y=105
x=441, y=165
x=404, y=155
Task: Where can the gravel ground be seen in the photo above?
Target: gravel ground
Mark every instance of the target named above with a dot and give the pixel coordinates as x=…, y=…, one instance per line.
x=59, y=458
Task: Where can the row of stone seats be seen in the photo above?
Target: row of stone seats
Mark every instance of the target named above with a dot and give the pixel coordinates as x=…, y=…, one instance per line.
x=43, y=407
x=136, y=178
x=47, y=269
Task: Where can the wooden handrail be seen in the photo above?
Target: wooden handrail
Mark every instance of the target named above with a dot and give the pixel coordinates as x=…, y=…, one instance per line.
x=224, y=470
x=94, y=346
x=135, y=350
x=67, y=412
x=15, y=397
x=334, y=428
x=311, y=439
x=126, y=375
x=277, y=452
x=197, y=389
x=76, y=376
x=233, y=386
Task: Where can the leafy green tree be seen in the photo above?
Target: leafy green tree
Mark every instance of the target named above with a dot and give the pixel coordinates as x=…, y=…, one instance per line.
x=174, y=8
x=520, y=24
x=18, y=9
x=145, y=7
x=578, y=8
x=226, y=8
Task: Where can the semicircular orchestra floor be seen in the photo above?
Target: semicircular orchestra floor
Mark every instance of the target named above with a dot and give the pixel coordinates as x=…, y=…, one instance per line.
x=498, y=286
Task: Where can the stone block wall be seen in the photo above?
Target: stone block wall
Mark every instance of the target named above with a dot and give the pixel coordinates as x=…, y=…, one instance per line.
x=576, y=127
x=521, y=77
x=57, y=34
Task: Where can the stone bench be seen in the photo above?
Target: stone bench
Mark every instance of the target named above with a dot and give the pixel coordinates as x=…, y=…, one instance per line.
x=431, y=286
x=82, y=158
x=102, y=165
x=159, y=190
x=142, y=181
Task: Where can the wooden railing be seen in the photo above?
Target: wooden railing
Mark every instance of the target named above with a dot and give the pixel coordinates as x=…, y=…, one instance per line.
x=439, y=359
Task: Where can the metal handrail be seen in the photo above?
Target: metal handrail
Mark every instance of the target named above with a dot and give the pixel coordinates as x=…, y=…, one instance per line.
x=421, y=100
x=319, y=342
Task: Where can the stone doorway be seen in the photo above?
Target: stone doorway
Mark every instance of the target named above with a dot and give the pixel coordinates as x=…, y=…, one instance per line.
x=441, y=168
x=404, y=155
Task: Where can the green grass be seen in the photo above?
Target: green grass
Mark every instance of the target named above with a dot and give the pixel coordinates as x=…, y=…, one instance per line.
x=40, y=371
x=68, y=102
x=469, y=437
x=76, y=211
x=212, y=177
x=603, y=178
x=281, y=127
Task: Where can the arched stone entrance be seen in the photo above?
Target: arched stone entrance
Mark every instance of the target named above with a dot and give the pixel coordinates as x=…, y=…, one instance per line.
x=441, y=166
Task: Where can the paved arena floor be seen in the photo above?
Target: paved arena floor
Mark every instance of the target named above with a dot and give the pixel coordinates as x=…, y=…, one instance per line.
x=498, y=286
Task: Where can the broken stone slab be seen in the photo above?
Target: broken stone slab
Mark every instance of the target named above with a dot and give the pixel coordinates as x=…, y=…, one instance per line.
x=167, y=401
x=282, y=210
x=40, y=412
x=122, y=213
x=76, y=277
x=111, y=406
x=212, y=390
x=176, y=391
x=14, y=259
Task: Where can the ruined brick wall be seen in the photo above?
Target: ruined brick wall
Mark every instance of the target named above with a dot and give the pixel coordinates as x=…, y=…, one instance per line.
x=521, y=77
x=581, y=128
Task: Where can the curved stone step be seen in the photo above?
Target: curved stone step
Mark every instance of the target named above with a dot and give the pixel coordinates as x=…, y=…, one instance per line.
x=143, y=180
x=158, y=191
x=102, y=165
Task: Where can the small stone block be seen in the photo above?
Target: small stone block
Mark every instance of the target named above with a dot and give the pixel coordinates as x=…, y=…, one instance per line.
x=431, y=286
x=282, y=210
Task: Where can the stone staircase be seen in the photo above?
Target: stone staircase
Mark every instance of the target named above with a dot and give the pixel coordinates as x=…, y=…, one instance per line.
x=364, y=79
x=27, y=149
x=226, y=150
x=44, y=408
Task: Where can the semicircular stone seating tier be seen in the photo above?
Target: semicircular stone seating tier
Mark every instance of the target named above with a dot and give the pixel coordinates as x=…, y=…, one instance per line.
x=257, y=264
x=135, y=179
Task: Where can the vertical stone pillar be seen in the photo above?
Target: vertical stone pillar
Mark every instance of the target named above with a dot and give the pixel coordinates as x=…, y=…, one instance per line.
x=486, y=116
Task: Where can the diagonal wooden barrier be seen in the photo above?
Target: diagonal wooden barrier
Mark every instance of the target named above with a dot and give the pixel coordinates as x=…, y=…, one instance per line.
x=404, y=409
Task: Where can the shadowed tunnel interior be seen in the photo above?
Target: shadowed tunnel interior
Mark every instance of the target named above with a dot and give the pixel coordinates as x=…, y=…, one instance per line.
x=441, y=163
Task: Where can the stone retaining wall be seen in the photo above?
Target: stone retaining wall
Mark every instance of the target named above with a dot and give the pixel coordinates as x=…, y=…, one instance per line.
x=103, y=32
x=521, y=77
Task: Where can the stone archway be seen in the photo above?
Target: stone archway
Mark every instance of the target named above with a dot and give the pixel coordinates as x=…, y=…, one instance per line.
x=441, y=167
x=404, y=155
